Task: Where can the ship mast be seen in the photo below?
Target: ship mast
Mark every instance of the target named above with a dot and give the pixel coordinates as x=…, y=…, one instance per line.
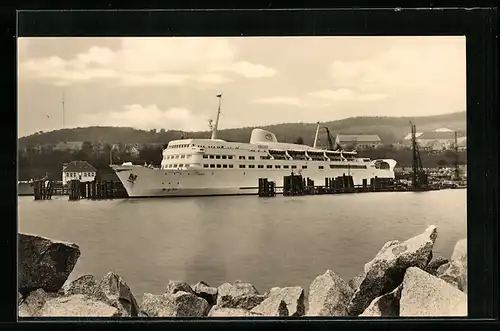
x=316, y=137
x=214, y=129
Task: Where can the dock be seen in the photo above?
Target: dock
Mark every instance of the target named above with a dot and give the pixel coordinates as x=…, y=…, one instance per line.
x=95, y=190
x=297, y=185
x=76, y=190
x=43, y=189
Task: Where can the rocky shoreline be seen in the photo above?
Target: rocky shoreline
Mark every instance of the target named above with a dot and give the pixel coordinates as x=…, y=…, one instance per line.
x=404, y=279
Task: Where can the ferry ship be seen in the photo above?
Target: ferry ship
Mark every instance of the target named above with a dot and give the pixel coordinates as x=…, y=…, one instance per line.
x=209, y=167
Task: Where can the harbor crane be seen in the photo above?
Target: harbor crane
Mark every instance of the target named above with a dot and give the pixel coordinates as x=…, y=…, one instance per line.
x=419, y=176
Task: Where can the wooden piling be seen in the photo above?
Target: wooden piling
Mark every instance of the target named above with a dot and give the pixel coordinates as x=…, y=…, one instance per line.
x=97, y=190
x=266, y=188
x=43, y=189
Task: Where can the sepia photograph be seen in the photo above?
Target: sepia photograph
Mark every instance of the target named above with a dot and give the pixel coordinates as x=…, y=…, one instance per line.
x=210, y=177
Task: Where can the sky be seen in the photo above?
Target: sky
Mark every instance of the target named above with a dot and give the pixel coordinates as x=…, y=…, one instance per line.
x=171, y=83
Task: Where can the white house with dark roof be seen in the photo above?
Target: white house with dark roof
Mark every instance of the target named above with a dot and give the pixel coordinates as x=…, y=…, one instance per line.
x=78, y=170
x=358, y=141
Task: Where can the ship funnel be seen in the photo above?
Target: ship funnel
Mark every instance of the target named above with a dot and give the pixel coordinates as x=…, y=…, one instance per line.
x=262, y=136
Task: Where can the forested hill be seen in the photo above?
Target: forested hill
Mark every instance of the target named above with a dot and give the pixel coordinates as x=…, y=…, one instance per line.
x=390, y=129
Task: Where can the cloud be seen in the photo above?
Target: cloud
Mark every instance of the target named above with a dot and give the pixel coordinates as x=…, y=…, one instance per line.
x=148, y=117
x=247, y=69
x=149, y=61
x=292, y=101
x=407, y=66
x=345, y=94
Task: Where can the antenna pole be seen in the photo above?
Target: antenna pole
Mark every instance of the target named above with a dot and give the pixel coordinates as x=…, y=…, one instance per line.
x=62, y=110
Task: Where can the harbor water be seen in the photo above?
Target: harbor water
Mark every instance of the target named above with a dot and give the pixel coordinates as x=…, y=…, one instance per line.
x=280, y=241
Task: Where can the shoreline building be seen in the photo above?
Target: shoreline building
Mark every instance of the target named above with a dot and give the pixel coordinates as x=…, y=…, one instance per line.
x=78, y=170
x=438, y=140
x=358, y=141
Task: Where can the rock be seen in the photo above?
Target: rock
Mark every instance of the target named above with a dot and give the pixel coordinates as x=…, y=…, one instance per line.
x=32, y=304
x=386, y=271
x=292, y=296
x=455, y=273
x=271, y=306
x=77, y=305
x=175, y=286
x=111, y=289
x=427, y=295
x=385, y=305
x=44, y=263
x=205, y=291
x=231, y=312
x=87, y=285
x=238, y=295
x=356, y=281
x=266, y=295
x=118, y=294
x=179, y=304
x=434, y=265
x=329, y=295
x=460, y=249
x=142, y=314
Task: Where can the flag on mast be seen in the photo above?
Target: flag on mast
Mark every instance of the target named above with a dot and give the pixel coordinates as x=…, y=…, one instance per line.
x=219, y=95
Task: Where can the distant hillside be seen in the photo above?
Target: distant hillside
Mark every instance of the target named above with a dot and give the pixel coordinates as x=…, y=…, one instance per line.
x=390, y=129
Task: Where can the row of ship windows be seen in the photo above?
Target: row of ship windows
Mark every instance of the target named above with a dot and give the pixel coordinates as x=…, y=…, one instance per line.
x=193, y=145
x=230, y=157
x=168, y=157
x=269, y=166
x=218, y=157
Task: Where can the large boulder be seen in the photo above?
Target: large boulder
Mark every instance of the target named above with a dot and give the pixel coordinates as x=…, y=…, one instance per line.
x=426, y=295
x=386, y=305
x=86, y=284
x=386, y=271
x=44, y=263
x=175, y=286
x=111, y=289
x=238, y=295
x=271, y=307
x=329, y=295
x=356, y=281
x=435, y=263
x=77, y=305
x=460, y=249
x=118, y=294
x=455, y=273
x=179, y=304
x=231, y=312
x=207, y=292
x=293, y=297
x=31, y=305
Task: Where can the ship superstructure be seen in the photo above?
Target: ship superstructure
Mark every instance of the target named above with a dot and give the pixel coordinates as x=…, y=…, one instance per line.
x=198, y=167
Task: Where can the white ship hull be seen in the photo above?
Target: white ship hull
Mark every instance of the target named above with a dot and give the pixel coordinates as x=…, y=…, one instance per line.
x=210, y=182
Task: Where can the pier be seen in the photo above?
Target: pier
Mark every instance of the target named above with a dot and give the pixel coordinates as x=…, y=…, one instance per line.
x=297, y=185
x=76, y=190
x=43, y=189
x=95, y=190
x=266, y=188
